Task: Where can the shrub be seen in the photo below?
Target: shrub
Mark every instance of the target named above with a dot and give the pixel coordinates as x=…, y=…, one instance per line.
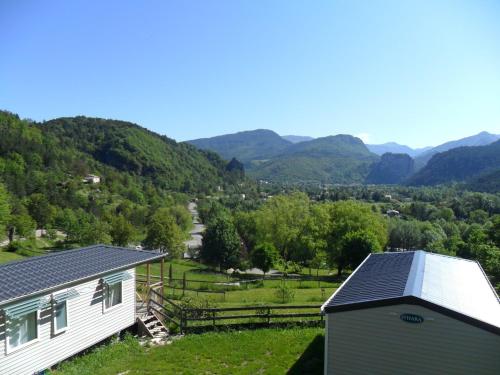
x=284, y=293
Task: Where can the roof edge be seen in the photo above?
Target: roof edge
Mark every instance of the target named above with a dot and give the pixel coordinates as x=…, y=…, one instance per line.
x=84, y=279
x=323, y=307
x=413, y=300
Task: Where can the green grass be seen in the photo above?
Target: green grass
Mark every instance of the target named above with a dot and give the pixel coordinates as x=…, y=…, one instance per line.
x=264, y=351
x=7, y=257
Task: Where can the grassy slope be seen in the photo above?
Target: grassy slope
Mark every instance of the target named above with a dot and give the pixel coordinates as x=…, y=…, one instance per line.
x=264, y=351
x=7, y=257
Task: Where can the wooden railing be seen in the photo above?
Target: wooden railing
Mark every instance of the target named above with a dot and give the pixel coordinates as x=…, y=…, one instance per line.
x=188, y=319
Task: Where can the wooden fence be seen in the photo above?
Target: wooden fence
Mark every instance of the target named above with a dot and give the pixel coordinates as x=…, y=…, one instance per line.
x=191, y=319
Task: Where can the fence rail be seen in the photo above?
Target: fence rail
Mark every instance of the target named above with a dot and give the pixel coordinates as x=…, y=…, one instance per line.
x=187, y=318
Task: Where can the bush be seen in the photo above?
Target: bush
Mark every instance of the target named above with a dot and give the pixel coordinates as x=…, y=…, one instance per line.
x=284, y=293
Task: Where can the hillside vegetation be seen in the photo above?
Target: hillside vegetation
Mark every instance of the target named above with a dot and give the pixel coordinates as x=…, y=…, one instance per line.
x=480, y=139
x=458, y=165
x=143, y=176
x=246, y=146
x=391, y=169
x=340, y=159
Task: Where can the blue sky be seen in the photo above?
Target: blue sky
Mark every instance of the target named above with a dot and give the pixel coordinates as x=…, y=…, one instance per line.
x=416, y=72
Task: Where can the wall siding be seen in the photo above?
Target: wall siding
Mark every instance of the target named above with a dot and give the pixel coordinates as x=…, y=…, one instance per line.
x=87, y=325
x=377, y=341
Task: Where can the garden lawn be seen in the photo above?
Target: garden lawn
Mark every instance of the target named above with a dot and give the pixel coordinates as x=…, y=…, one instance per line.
x=7, y=257
x=264, y=351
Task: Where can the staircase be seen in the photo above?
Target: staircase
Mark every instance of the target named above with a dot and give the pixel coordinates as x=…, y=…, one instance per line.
x=150, y=325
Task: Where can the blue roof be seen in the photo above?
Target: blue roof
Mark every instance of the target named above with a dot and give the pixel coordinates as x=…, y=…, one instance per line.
x=36, y=275
x=455, y=285
x=379, y=277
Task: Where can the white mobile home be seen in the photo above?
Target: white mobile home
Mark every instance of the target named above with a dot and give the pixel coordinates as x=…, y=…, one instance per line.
x=413, y=313
x=54, y=306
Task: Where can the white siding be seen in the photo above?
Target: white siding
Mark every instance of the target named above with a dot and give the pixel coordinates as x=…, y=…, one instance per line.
x=377, y=341
x=87, y=325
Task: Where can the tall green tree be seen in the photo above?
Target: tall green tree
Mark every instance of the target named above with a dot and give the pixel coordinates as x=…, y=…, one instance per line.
x=263, y=257
x=282, y=220
x=121, y=231
x=346, y=218
x=4, y=209
x=221, y=244
x=164, y=234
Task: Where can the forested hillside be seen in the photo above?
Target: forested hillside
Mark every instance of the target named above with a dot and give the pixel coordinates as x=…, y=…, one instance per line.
x=391, y=169
x=43, y=165
x=340, y=159
x=459, y=164
x=245, y=146
x=480, y=139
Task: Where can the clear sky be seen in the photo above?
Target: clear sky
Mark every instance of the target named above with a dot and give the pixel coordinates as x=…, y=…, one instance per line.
x=417, y=72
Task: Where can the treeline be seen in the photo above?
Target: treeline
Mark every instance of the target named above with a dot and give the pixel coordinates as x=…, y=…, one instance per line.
x=144, y=177
x=294, y=230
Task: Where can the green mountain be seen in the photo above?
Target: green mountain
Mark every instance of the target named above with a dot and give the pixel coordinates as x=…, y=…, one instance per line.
x=458, y=165
x=53, y=157
x=129, y=148
x=391, y=169
x=341, y=159
x=488, y=182
x=480, y=139
x=245, y=146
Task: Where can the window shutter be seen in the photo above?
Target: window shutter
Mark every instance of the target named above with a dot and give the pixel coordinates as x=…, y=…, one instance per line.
x=66, y=295
x=116, y=278
x=23, y=308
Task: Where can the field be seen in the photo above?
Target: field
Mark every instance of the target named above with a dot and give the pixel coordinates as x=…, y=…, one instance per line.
x=7, y=257
x=304, y=292
x=263, y=351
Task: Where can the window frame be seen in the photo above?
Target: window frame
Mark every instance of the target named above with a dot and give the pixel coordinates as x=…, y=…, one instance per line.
x=105, y=295
x=56, y=331
x=8, y=322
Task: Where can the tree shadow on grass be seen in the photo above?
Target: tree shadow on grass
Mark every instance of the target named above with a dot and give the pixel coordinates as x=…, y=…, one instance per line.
x=311, y=361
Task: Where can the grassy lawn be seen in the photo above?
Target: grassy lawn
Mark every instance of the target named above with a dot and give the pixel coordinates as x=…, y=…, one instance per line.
x=7, y=257
x=264, y=351
x=305, y=292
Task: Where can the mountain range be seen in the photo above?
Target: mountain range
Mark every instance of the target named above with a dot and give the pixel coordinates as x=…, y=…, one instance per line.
x=344, y=159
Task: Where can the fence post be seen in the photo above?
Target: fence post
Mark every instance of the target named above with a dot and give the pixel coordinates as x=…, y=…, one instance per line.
x=213, y=318
x=268, y=316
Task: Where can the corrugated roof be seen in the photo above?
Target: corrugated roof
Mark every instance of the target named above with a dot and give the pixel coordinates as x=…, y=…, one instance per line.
x=381, y=276
x=34, y=275
x=453, y=284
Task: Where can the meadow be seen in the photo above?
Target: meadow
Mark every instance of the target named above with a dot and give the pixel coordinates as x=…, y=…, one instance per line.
x=265, y=351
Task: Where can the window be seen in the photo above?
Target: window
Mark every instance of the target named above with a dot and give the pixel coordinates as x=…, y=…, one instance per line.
x=60, y=316
x=113, y=295
x=22, y=330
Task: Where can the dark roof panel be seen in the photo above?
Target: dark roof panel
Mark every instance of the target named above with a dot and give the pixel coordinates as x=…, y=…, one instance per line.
x=381, y=276
x=33, y=275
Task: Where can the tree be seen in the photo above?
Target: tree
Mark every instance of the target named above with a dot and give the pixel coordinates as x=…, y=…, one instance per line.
x=4, y=209
x=356, y=246
x=263, y=257
x=40, y=209
x=404, y=234
x=348, y=217
x=182, y=217
x=121, y=231
x=281, y=220
x=221, y=244
x=164, y=234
